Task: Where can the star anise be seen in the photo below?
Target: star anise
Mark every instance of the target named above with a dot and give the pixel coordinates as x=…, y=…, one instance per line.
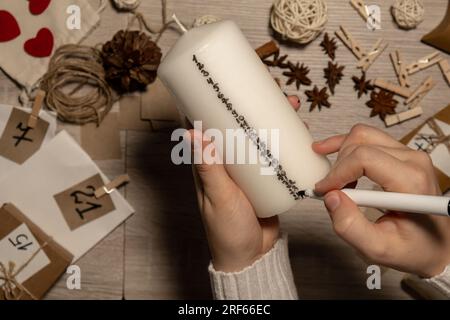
x=329, y=46
x=382, y=103
x=333, y=74
x=318, y=98
x=269, y=50
x=277, y=61
x=297, y=74
x=362, y=86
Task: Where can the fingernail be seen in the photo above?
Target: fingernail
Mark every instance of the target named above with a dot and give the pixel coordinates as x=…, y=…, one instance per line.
x=332, y=202
x=318, y=193
x=318, y=142
x=318, y=185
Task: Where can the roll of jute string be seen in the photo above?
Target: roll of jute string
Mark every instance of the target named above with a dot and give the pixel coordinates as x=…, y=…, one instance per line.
x=300, y=21
x=79, y=69
x=408, y=14
x=73, y=69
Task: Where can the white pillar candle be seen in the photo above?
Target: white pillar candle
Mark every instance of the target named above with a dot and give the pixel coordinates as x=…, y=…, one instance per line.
x=217, y=78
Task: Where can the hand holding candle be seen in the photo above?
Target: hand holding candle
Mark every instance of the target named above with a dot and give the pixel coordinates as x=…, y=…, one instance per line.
x=218, y=78
x=236, y=237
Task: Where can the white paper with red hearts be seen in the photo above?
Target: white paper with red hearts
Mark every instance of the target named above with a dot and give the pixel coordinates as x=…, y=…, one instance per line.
x=14, y=60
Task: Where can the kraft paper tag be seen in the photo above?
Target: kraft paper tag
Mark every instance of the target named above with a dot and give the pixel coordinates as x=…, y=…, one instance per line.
x=102, y=142
x=443, y=120
x=130, y=114
x=19, y=246
x=18, y=141
x=23, y=243
x=79, y=205
x=158, y=104
x=440, y=155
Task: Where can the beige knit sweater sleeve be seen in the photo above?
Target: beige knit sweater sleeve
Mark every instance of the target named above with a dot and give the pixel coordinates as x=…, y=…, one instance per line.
x=268, y=278
x=271, y=278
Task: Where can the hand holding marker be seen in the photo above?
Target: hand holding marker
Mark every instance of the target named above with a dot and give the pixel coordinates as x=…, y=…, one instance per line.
x=403, y=202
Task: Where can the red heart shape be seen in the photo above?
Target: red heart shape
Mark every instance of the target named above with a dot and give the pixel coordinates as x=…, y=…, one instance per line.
x=42, y=45
x=9, y=28
x=36, y=7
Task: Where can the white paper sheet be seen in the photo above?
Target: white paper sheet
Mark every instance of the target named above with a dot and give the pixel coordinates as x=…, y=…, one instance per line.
x=440, y=155
x=18, y=247
x=7, y=165
x=58, y=165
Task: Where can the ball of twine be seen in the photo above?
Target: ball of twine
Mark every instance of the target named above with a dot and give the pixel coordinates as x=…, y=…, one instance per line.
x=76, y=86
x=300, y=21
x=206, y=19
x=127, y=5
x=408, y=14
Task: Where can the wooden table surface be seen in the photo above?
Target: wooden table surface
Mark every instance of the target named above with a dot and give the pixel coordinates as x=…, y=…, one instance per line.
x=161, y=252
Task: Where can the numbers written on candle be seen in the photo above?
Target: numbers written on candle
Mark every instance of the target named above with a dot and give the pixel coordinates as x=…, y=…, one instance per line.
x=250, y=132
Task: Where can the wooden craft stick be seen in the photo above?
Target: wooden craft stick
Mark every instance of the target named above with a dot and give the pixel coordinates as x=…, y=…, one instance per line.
x=392, y=87
x=361, y=7
x=113, y=185
x=424, y=63
x=393, y=119
x=350, y=43
x=373, y=54
x=399, y=68
x=420, y=92
x=445, y=67
x=37, y=106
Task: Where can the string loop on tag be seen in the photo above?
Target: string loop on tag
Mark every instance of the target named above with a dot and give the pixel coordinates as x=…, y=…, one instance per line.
x=144, y=25
x=76, y=85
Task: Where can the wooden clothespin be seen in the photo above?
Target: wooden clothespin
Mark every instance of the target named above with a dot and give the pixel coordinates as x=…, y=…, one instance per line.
x=369, y=58
x=366, y=59
x=113, y=185
x=392, y=87
x=361, y=7
x=445, y=67
x=351, y=43
x=420, y=92
x=393, y=119
x=400, y=69
x=424, y=63
x=37, y=106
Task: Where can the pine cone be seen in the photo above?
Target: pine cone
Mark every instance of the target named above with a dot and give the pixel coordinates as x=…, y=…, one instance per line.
x=130, y=60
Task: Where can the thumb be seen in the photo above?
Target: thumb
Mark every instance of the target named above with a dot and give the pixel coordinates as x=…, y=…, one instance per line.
x=352, y=226
x=207, y=162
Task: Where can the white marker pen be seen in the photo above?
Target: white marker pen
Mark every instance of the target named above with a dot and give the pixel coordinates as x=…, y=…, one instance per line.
x=404, y=202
